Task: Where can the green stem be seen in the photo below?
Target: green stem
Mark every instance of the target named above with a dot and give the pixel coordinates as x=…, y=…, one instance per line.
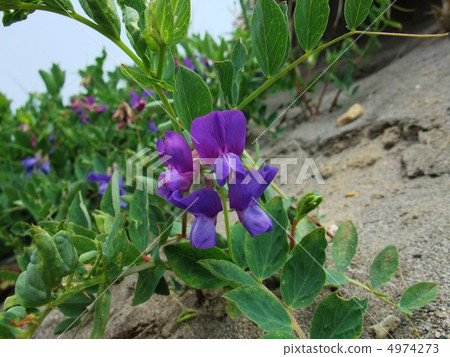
x=382, y=298
x=39, y=321
x=173, y=118
x=396, y=34
x=227, y=220
x=294, y=64
x=75, y=16
x=162, y=55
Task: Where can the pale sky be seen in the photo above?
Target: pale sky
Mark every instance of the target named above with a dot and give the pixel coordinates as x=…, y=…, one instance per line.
x=46, y=38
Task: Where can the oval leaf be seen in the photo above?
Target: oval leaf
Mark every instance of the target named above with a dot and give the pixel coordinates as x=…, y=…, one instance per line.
x=78, y=212
x=418, y=295
x=344, y=245
x=228, y=272
x=310, y=22
x=139, y=224
x=183, y=259
x=147, y=282
x=269, y=33
x=261, y=307
x=190, y=85
x=303, y=276
x=383, y=267
x=356, y=11
x=267, y=253
x=337, y=318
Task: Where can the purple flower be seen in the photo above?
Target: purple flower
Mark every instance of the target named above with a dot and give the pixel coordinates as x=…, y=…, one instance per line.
x=244, y=195
x=152, y=126
x=220, y=136
x=124, y=114
x=138, y=103
x=103, y=180
x=176, y=155
x=189, y=64
x=204, y=204
x=33, y=164
x=86, y=105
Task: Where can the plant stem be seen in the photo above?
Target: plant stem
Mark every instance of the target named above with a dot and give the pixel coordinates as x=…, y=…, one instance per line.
x=397, y=34
x=227, y=220
x=162, y=55
x=184, y=225
x=173, y=118
x=294, y=64
x=382, y=298
x=39, y=321
x=75, y=16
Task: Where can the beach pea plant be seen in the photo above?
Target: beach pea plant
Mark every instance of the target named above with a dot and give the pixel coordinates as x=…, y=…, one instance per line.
x=87, y=227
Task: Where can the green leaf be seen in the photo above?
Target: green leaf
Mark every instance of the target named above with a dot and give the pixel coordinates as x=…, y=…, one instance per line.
x=80, y=230
x=8, y=275
x=225, y=74
x=306, y=204
x=304, y=227
x=131, y=19
x=101, y=314
x=78, y=212
x=238, y=58
x=269, y=33
x=143, y=80
x=344, y=245
x=13, y=16
x=52, y=259
x=285, y=9
x=139, y=224
x=83, y=244
x=228, y=272
x=104, y=13
x=238, y=233
x=166, y=231
x=418, y=295
x=59, y=4
x=383, y=267
x=279, y=335
x=336, y=318
x=76, y=305
x=184, y=262
x=335, y=278
x=167, y=22
x=192, y=97
x=146, y=284
x=303, y=276
x=114, y=248
x=310, y=22
x=111, y=199
x=356, y=11
x=267, y=252
x=67, y=325
x=261, y=307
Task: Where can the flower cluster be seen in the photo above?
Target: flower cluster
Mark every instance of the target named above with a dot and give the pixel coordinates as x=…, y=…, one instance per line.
x=36, y=164
x=219, y=141
x=85, y=106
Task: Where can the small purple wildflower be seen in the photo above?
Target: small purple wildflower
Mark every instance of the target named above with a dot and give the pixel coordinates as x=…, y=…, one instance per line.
x=103, y=180
x=86, y=105
x=152, y=126
x=124, y=114
x=35, y=164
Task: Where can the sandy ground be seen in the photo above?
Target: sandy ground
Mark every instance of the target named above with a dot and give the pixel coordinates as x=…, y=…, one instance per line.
x=395, y=159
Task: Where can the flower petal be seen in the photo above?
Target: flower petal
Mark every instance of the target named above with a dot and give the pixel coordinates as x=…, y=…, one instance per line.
x=203, y=233
x=29, y=162
x=255, y=220
x=45, y=167
x=201, y=202
x=177, y=148
x=97, y=177
x=249, y=186
x=219, y=133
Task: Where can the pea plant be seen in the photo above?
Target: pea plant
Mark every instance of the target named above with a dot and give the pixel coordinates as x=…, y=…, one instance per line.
x=78, y=228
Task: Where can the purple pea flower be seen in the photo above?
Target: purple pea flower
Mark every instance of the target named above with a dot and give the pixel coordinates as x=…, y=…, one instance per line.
x=244, y=195
x=152, y=126
x=176, y=155
x=103, y=180
x=205, y=205
x=189, y=64
x=34, y=164
x=220, y=136
x=85, y=105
